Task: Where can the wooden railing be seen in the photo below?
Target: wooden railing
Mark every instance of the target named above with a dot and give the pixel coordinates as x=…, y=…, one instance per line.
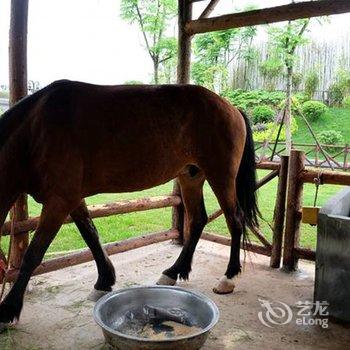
x=298, y=175
x=337, y=155
x=274, y=248
x=21, y=227
x=291, y=173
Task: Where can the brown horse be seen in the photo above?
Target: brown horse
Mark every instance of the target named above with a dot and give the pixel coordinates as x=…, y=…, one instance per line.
x=71, y=140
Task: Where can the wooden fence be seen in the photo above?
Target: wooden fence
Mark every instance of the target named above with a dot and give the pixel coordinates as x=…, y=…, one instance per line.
x=23, y=226
x=337, y=155
x=298, y=176
x=323, y=57
x=291, y=174
x=288, y=201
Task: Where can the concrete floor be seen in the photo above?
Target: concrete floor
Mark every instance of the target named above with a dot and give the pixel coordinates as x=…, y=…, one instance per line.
x=57, y=315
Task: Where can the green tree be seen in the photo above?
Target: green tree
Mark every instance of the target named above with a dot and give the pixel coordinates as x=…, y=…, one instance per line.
x=284, y=40
x=214, y=52
x=271, y=69
x=297, y=79
x=152, y=18
x=311, y=83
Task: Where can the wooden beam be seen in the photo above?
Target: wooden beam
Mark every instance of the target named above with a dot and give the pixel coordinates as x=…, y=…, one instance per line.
x=260, y=236
x=85, y=255
x=268, y=165
x=227, y=241
x=304, y=253
x=98, y=211
x=259, y=184
x=294, y=11
x=327, y=177
x=209, y=9
x=18, y=89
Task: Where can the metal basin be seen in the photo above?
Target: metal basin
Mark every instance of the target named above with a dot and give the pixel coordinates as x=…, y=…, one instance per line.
x=196, y=308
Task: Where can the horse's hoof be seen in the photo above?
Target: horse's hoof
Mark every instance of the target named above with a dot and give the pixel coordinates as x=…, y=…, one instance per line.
x=225, y=286
x=9, y=312
x=96, y=294
x=165, y=280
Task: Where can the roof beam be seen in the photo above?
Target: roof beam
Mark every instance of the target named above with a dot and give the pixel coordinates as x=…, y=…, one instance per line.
x=269, y=15
x=209, y=9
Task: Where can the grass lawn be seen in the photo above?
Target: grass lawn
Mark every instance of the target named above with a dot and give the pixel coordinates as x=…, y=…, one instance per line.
x=129, y=225
x=337, y=119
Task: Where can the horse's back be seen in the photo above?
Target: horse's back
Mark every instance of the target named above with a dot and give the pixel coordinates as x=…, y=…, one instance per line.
x=127, y=137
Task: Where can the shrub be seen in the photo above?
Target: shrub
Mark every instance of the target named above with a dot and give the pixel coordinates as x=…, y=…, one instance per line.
x=296, y=105
x=314, y=110
x=339, y=89
x=297, y=79
x=262, y=114
x=133, y=82
x=336, y=95
x=311, y=84
x=346, y=102
x=271, y=69
x=250, y=99
x=300, y=97
x=260, y=136
x=259, y=127
x=330, y=137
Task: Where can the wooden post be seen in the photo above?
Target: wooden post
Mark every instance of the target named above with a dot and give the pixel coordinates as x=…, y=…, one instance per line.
x=346, y=152
x=279, y=214
x=18, y=89
x=293, y=217
x=183, y=77
x=184, y=45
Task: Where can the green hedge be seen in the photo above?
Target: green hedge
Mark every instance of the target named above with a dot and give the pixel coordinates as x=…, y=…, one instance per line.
x=263, y=114
x=250, y=99
x=260, y=136
x=314, y=110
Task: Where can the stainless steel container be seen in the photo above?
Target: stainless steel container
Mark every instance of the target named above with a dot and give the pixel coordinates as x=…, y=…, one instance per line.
x=110, y=308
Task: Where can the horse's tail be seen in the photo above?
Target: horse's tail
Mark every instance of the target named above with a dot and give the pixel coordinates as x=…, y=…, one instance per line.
x=246, y=183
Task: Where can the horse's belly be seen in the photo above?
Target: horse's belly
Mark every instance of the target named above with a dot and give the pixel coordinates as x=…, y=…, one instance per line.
x=130, y=178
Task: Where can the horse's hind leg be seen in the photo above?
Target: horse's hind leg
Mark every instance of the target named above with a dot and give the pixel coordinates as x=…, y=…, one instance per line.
x=105, y=269
x=225, y=192
x=52, y=217
x=195, y=220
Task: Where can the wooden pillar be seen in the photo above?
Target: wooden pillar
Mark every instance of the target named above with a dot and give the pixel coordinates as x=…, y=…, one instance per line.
x=184, y=42
x=346, y=152
x=279, y=214
x=18, y=89
x=183, y=77
x=294, y=202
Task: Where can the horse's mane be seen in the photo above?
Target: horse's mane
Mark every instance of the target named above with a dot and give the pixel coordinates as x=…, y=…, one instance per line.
x=16, y=115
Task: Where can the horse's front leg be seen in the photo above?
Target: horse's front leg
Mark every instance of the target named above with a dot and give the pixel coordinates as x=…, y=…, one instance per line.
x=105, y=269
x=53, y=214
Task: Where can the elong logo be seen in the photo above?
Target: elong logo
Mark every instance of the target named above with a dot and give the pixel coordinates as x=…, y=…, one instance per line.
x=278, y=313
